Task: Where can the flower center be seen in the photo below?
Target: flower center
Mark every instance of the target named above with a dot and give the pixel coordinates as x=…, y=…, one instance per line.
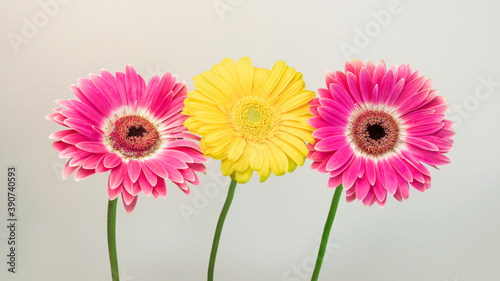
x=134, y=137
x=374, y=132
x=252, y=117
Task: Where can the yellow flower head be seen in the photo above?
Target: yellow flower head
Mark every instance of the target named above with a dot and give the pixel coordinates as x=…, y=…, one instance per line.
x=251, y=118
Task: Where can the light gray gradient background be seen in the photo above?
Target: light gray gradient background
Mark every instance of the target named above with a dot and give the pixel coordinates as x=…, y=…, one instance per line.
x=450, y=232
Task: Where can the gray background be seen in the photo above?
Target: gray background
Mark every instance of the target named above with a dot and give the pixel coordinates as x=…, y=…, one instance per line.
x=450, y=232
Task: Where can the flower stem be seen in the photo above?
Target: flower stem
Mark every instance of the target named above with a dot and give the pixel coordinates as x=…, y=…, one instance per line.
x=218, y=231
x=326, y=232
x=113, y=259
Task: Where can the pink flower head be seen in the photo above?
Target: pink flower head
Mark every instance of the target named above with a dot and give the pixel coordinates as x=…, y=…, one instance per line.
x=374, y=129
x=135, y=131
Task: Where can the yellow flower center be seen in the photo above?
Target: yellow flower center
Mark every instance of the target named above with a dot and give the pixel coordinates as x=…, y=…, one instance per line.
x=252, y=117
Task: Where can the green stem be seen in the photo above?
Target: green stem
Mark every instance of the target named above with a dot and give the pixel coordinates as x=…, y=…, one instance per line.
x=218, y=231
x=326, y=232
x=113, y=258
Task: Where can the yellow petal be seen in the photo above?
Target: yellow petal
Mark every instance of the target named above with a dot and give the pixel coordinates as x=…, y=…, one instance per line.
x=206, y=129
x=299, y=132
x=296, y=142
x=243, y=177
x=283, y=82
x=297, y=100
x=256, y=157
x=265, y=176
x=211, y=116
x=236, y=149
x=277, y=159
x=259, y=77
x=295, y=86
x=291, y=165
x=214, y=137
x=226, y=167
x=245, y=74
x=290, y=151
x=228, y=76
x=232, y=69
x=213, y=86
x=273, y=77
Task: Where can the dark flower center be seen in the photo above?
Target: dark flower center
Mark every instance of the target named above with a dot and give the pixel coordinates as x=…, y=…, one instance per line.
x=374, y=132
x=136, y=131
x=134, y=137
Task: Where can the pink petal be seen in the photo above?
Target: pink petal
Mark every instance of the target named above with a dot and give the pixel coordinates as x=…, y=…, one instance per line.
x=83, y=128
x=339, y=158
x=324, y=132
x=394, y=94
x=351, y=173
x=100, y=168
x=332, y=116
x=60, y=146
x=362, y=188
x=83, y=173
x=115, y=177
x=146, y=186
x=67, y=171
x=150, y=175
x=114, y=192
x=379, y=192
x=353, y=83
x=425, y=129
x=91, y=162
x=61, y=134
x=183, y=186
x=342, y=97
x=173, y=174
x=318, y=122
x=134, y=169
x=428, y=157
x=422, y=143
x=112, y=160
x=333, y=182
x=75, y=138
x=331, y=143
x=391, y=180
x=371, y=173
x=132, y=201
x=161, y=188
x=410, y=90
x=324, y=93
x=415, y=162
x=365, y=85
x=401, y=168
x=386, y=87
x=107, y=91
x=156, y=167
x=127, y=183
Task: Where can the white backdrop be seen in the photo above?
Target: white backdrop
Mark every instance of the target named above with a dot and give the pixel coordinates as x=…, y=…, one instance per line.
x=450, y=232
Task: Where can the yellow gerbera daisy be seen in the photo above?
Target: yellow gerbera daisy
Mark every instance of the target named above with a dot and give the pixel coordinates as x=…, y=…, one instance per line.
x=251, y=118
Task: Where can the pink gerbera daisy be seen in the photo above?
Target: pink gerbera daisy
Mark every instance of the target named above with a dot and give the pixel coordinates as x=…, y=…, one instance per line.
x=375, y=127
x=135, y=131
